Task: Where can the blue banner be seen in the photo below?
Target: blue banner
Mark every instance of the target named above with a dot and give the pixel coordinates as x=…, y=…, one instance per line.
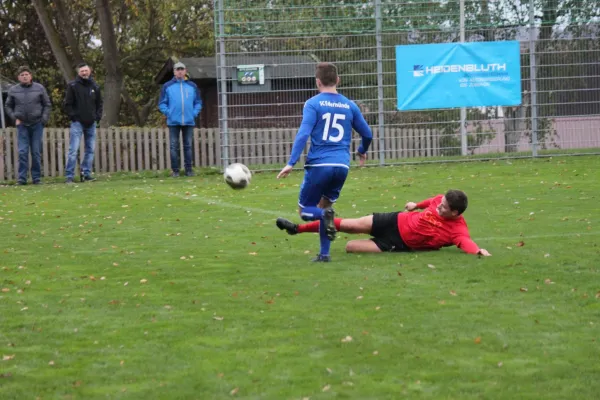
x=451, y=75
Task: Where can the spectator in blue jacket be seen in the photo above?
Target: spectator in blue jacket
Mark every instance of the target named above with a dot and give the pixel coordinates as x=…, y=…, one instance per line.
x=180, y=102
x=29, y=106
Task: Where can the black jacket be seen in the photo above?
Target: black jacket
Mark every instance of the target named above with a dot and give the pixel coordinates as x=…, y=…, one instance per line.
x=28, y=103
x=83, y=101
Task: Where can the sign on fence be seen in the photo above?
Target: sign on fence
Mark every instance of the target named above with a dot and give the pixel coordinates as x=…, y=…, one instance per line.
x=452, y=75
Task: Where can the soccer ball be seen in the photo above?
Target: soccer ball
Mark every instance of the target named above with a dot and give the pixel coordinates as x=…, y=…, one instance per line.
x=237, y=176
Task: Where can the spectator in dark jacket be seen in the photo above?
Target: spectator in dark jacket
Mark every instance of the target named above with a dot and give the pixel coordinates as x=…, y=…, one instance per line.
x=83, y=105
x=29, y=106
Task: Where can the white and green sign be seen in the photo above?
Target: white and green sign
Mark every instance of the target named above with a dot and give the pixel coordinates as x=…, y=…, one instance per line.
x=251, y=74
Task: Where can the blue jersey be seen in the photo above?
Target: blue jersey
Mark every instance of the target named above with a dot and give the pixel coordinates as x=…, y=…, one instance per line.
x=328, y=119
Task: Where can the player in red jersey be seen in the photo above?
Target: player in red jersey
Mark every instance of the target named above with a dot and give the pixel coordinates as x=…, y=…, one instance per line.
x=440, y=224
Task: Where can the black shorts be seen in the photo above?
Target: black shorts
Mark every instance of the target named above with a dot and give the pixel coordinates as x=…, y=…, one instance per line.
x=385, y=232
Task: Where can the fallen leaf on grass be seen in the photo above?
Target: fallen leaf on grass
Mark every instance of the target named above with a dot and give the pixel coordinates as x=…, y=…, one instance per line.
x=477, y=340
x=51, y=363
x=326, y=388
x=431, y=266
x=347, y=339
x=521, y=244
x=523, y=289
x=5, y=290
x=122, y=362
x=253, y=253
x=218, y=318
x=598, y=295
x=375, y=353
x=548, y=281
x=453, y=293
x=234, y=391
x=142, y=281
x=7, y=357
x=359, y=298
x=499, y=364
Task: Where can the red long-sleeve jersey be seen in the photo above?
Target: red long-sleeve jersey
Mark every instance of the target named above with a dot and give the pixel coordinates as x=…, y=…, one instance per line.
x=426, y=230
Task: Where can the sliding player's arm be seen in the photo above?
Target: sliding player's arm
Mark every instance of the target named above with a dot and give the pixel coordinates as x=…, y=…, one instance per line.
x=467, y=245
x=411, y=206
x=309, y=120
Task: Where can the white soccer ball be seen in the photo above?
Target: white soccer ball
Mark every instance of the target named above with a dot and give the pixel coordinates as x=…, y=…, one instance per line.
x=237, y=176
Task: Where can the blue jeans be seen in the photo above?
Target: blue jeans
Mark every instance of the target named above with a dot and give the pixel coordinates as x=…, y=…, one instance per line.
x=89, y=133
x=187, y=132
x=30, y=138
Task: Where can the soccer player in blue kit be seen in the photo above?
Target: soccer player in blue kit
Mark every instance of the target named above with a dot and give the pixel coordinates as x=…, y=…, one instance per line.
x=328, y=119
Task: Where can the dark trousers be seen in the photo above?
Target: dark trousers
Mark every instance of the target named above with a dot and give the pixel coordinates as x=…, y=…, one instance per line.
x=30, y=139
x=187, y=134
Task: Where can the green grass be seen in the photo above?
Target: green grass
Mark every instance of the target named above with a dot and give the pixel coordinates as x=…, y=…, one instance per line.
x=246, y=315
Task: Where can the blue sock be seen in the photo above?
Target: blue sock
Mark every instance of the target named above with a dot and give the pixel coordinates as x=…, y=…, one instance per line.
x=325, y=242
x=311, y=213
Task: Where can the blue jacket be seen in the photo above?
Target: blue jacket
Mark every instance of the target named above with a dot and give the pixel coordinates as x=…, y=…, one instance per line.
x=180, y=102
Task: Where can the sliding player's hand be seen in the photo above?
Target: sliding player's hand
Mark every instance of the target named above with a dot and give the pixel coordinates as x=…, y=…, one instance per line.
x=483, y=252
x=285, y=171
x=361, y=159
x=410, y=206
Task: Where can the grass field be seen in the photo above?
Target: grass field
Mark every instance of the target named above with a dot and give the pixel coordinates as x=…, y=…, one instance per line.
x=133, y=288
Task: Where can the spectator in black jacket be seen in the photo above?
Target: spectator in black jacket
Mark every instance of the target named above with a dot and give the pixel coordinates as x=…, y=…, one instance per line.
x=83, y=105
x=29, y=106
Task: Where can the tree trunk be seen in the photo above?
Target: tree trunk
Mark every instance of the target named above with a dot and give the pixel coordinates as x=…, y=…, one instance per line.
x=113, y=82
x=68, y=32
x=515, y=125
x=511, y=129
x=58, y=49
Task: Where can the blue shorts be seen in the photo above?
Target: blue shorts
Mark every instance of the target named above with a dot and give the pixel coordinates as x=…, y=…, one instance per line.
x=321, y=182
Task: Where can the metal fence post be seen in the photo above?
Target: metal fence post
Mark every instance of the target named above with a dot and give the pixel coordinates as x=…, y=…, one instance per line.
x=380, y=94
x=463, y=110
x=222, y=75
x=533, y=72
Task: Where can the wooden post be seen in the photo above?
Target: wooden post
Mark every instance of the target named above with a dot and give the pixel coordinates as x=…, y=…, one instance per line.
x=47, y=141
x=163, y=147
x=154, y=158
x=53, y=136
x=211, y=143
x=2, y=134
x=140, y=158
x=118, y=153
x=132, y=134
x=124, y=148
x=199, y=143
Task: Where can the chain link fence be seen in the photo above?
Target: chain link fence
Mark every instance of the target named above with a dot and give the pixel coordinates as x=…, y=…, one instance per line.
x=267, y=52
